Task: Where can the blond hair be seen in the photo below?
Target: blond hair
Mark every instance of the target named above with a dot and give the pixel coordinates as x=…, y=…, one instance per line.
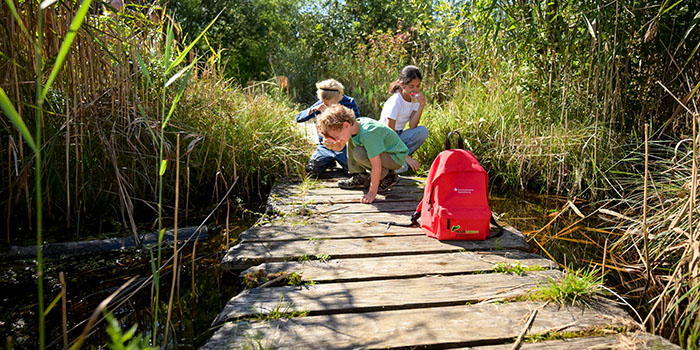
x=333, y=118
x=330, y=89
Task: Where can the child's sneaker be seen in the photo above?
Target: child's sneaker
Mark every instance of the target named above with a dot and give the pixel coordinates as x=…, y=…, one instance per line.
x=355, y=182
x=402, y=169
x=389, y=180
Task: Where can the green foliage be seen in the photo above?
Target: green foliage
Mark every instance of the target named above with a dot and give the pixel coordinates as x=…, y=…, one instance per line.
x=246, y=34
x=580, y=286
x=516, y=269
x=323, y=257
x=295, y=279
x=121, y=340
x=281, y=310
x=554, y=335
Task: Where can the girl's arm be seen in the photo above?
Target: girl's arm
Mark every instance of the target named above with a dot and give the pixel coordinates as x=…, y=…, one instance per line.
x=391, y=123
x=415, y=116
x=375, y=176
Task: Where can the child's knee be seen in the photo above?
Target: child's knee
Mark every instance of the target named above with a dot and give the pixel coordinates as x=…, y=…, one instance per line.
x=422, y=132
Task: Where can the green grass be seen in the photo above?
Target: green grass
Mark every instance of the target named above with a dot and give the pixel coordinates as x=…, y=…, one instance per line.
x=281, y=310
x=323, y=257
x=554, y=335
x=516, y=268
x=295, y=279
x=577, y=286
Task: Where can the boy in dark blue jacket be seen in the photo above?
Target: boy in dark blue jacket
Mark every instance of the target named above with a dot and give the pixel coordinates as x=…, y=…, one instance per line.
x=329, y=92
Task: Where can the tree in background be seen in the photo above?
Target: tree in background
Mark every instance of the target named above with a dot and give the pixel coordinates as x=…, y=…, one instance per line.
x=247, y=32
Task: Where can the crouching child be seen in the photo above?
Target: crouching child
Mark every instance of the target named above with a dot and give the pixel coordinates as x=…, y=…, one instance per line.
x=371, y=145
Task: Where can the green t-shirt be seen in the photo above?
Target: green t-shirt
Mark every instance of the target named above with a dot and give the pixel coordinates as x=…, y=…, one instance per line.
x=376, y=138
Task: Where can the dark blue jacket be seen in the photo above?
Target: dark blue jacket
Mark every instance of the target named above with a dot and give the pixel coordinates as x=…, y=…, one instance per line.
x=347, y=101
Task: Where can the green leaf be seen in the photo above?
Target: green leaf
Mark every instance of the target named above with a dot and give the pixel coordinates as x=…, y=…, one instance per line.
x=163, y=166
x=11, y=113
x=53, y=303
x=65, y=45
x=180, y=91
x=142, y=67
x=46, y=3
x=168, y=44
x=590, y=27
x=177, y=75
x=189, y=47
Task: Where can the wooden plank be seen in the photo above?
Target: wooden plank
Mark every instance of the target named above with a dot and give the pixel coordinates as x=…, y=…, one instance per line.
x=295, y=191
x=347, y=270
x=464, y=325
x=348, y=219
x=407, y=293
x=639, y=341
x=244, y=255
x=292, y=185
x=350, y=197
x=324, y=231
x=347, y=208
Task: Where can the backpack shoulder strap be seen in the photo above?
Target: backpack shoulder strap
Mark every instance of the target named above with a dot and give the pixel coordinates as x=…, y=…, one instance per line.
x=460, y=143
x=500, y=229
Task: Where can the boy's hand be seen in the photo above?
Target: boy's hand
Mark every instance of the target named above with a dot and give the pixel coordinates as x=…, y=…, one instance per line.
x=369, y=197
x=332, y=144
x=320, y=108
x=414, y=164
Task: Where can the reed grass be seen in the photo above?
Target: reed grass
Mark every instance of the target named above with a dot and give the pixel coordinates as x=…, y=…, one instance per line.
x=118, y=139
x=666, y=279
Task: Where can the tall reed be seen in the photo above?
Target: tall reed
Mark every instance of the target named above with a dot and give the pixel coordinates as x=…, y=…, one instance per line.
x=35, y=142
x=118, y=105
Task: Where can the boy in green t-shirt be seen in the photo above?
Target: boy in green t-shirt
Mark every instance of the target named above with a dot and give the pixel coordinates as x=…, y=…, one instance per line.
x=371, y=146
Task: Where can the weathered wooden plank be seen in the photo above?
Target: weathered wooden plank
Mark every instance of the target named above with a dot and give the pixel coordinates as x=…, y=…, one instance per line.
x=353, y=197
x=298, y=192
x=294, y=184
x=244, y=255
x=348, y=219
x=347, y=208
x=638, y=340
x=406, y=293
x=324, y=231
x=347, y=270
x=465, y=325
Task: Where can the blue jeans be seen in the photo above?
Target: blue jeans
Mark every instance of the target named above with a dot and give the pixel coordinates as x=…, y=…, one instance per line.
x=414, y=138
x=323, y=158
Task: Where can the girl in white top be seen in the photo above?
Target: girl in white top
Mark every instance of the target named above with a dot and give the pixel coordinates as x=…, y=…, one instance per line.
x=405, y=106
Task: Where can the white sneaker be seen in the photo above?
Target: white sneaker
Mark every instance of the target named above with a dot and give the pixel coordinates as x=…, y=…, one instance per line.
x=402, y=169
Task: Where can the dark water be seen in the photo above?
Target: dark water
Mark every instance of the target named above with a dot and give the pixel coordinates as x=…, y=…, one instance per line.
x=201, y=293
x=91, y=279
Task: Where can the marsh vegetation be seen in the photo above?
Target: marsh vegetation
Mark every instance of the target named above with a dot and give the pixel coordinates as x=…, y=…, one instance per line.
x=125, y=117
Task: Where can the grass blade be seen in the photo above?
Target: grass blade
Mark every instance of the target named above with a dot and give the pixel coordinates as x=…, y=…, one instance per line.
x=11, y=113
x=65, y=46
x=180, y=91
x=142, y=67
x=168, y=47
x=189, y=47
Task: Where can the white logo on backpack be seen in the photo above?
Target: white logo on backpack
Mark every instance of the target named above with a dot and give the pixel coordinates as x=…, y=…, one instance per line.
x=463, y=190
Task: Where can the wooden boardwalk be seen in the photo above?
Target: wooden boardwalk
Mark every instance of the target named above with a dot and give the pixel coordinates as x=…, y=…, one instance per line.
x=325, y=274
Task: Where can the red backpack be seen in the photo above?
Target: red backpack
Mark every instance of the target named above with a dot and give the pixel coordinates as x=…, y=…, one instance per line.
x=455, y=202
